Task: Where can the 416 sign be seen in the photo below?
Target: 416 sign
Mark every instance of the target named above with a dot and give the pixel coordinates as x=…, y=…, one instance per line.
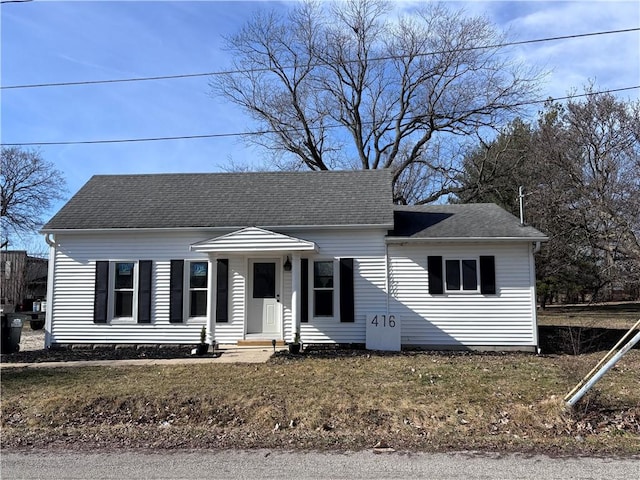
x=384, y=321
x=383, y=332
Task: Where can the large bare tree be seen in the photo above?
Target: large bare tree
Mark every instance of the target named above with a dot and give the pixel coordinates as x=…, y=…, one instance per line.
x=348, y=85
x=28, y=187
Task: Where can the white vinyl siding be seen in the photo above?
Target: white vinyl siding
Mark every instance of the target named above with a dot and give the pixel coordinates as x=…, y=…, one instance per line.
x=506, y=318
x=367, y=248
x=464, y=318
x=73, y=289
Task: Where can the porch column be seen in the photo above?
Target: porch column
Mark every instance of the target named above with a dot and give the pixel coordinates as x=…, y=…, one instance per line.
x=212, y=288
x=295, y=302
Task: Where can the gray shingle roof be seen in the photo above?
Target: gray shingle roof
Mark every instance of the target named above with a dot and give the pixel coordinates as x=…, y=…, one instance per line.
x=267, y=199
x=474, y=220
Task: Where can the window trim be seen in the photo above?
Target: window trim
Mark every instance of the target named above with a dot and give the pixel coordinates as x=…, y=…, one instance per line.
x=335, y=289
x=133, y=319
x=461, y=290
x=186, y=296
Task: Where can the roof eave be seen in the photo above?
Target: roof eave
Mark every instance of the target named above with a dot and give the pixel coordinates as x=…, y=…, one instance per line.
x=381, y=226
x=392, y=239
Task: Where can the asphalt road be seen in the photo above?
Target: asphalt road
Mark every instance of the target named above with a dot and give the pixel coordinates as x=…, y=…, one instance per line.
x=266, y=464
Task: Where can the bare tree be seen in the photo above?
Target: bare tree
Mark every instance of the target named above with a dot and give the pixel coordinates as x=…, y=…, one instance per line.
x=579, y=166
x=344, y=85
x=28, y=187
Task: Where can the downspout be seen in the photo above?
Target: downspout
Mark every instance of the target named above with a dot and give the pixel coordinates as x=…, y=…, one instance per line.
x=534, y=300
x=48, y=318
x=388, y=274
x=295, y=298
x=537, y=247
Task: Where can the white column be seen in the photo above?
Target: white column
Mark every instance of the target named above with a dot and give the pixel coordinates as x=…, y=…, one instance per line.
x=295, y=302
x=212, y=298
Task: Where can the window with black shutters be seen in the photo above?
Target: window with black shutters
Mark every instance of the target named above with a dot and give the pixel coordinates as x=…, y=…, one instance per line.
x=452, y=275
x=123, y=291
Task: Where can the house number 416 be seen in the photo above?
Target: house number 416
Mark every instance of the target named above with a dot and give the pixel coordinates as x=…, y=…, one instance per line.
x=384, y=321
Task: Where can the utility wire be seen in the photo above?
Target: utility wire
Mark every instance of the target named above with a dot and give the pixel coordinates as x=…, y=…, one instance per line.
x=266, y=69
x=263, y=132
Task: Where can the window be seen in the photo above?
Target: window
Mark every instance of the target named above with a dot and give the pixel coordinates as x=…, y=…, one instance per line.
x=323, y=288
x=123, y=289
x=6, y=269
x=198, y=283
x=264, y=280
x=461, y=275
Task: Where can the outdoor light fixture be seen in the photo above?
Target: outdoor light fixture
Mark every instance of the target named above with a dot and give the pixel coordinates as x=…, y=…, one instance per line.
x=287, y=265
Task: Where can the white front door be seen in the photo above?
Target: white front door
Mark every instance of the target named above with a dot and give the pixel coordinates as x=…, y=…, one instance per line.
x=263, y=296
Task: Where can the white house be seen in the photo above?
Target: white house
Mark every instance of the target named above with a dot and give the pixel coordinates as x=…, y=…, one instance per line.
x=150, y=259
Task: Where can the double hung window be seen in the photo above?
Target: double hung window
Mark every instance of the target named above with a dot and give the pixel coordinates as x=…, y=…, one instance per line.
x=198, y=282
x=323, y=288
x=124, y=286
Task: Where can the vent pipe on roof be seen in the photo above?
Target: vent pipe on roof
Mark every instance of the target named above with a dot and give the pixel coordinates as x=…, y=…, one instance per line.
x=521, y=200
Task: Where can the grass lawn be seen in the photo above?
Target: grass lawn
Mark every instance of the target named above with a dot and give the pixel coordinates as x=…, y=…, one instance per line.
x=341, y=401
x=611, y=315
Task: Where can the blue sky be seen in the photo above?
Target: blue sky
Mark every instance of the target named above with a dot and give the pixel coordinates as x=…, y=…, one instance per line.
x=51, y=41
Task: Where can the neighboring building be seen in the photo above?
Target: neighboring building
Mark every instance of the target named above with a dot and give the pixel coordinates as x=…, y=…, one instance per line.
x=23, y=279
x=153, y=258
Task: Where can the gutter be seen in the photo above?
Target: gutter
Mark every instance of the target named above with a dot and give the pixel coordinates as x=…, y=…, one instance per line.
x=401, y=240
x=381, y=226
x=47, y=238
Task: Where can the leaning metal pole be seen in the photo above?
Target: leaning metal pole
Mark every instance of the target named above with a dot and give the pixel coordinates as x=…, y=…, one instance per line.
x=604, y=369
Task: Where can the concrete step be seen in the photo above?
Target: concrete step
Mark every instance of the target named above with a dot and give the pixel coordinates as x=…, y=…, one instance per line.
x=260, y=342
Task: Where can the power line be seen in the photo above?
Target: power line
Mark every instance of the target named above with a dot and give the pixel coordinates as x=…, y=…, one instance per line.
x=266, y=69
x=263, y=132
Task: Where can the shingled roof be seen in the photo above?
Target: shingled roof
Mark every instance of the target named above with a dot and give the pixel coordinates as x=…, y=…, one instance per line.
x=205, y=200
x=460, y=221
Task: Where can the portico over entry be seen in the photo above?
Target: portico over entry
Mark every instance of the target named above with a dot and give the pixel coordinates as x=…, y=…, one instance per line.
x=267, y=254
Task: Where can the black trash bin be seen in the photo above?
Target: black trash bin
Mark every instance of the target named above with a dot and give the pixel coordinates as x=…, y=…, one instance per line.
x=11, y=331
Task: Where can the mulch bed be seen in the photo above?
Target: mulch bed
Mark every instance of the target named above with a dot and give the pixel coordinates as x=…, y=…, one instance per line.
x=71, y=355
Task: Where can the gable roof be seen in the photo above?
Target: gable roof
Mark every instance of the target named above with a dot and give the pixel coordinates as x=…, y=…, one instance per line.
x=254, y=239
x=209, y=200
x=460, y=221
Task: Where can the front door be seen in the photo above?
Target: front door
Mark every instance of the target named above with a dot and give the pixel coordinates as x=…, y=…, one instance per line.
x=263, y=302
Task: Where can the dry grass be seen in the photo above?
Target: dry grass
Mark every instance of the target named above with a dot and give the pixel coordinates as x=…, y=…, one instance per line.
x=346, y=400
x=612, y=315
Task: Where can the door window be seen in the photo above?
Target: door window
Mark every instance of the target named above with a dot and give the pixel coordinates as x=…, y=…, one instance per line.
x=264, y=280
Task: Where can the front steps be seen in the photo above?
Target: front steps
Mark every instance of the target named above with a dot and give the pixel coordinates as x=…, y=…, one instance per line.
x=260, y=342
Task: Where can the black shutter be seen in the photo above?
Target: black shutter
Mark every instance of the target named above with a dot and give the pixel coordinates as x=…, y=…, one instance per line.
x=434, y=265
x=222, y=291
x=101, y=302
x=346, y=290
x=488, y=275
x=175, y=291
x=304, y=290
x=144, y=291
